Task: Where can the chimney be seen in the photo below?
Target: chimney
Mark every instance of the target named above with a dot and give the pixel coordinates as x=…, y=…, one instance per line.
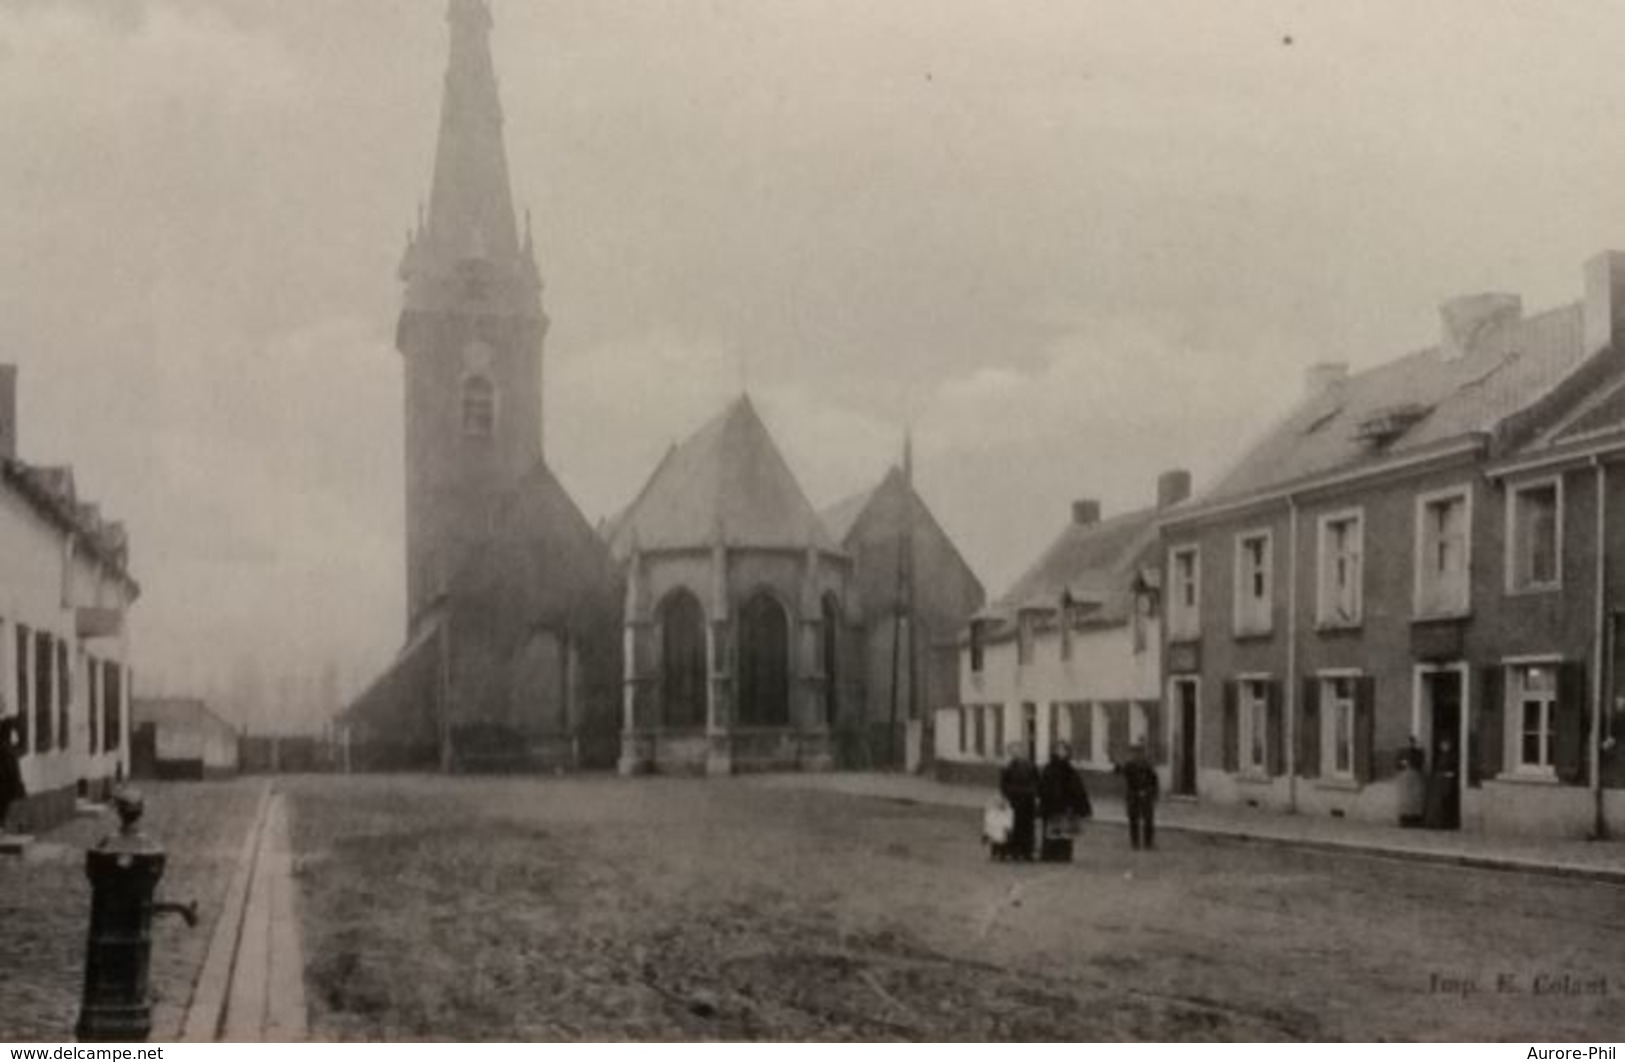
x=1323, y=376
x=1466, y=318
x=1173, y=487
x=1086, y=511
x=1604, y=310
x=8, y=411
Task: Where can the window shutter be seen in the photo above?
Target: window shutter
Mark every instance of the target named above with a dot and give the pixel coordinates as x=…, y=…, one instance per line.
x=1154, y=731
x=24, y=700
x=1365, y=728
x=1569, y=723
x=1275, y=747
x=1489, y=758
x=1232, y=731
x=1309, y=731
x=64, y=694
x=1117, y=731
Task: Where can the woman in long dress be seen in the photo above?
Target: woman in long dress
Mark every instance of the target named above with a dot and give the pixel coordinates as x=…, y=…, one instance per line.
x=1019, y=785
x=1062, y=801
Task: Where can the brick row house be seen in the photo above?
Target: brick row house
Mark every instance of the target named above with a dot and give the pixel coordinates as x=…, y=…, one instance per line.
x=1413, y=553
x=1070, y=652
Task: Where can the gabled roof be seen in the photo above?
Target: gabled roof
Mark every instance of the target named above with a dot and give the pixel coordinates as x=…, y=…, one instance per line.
x=1414, y=402
x=841, y=517
x=542, y=556
x=1094, y=563
x=51, y=493
x=728, y=479
x=871, y=526
x=175, y=710
x=1601, y=411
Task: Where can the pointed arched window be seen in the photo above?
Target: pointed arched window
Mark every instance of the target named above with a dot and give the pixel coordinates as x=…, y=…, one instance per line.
x=479, y=406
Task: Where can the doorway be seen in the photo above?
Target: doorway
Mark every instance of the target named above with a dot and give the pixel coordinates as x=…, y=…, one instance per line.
x=1439, y=725
x=1185, y=706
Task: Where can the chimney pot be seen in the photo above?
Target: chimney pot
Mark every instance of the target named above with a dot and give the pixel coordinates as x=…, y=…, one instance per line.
x=1604, y=308
x=1173, y=487
x=1086, y=511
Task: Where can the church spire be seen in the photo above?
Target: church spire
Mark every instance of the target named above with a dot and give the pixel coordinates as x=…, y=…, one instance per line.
x=471, y=211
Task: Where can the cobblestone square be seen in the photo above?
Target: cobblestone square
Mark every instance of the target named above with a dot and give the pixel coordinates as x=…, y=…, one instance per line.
x=662, y=908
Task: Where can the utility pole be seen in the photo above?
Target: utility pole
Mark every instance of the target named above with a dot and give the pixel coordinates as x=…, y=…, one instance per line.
x=904, y=637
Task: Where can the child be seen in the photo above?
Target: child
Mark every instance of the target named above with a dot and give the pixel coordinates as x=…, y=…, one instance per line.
x=998, y=821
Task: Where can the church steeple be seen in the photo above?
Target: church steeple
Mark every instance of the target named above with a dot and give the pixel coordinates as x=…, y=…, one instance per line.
x=470, y=204
x=471, y=329
x=470, y=223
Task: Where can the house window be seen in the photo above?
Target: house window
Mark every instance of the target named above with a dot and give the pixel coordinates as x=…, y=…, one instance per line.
x=44, y=691
x=980, y=713
x=1532, y=690
x=1337, y=695
x=1341, y=572
x=1442, y=550
x=964, y=728
x=1024, y=638
x=1184, y=604
x=976, y=649
x=1255, y=726
x=997, y=711
x=93, y=702
x=1139, y=725
x=1064, y=619
x=479, y=407
x=112, y=705
x=1534, y=548
x=1253, y=583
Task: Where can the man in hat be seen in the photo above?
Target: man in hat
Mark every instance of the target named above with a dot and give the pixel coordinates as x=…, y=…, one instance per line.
x=1140, y=788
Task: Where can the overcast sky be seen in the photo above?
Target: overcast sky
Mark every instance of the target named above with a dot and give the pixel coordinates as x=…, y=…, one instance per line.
x=1074, y=243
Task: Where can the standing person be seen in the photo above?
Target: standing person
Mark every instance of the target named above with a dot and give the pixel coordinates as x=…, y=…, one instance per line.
x=12, y=789
x=1019, y=785
x=1412, y=784
x=1443, y=800
x=1062, y=801
x=1140, y=789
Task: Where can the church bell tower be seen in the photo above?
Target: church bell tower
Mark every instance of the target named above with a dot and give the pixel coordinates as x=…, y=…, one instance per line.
x=471, y=329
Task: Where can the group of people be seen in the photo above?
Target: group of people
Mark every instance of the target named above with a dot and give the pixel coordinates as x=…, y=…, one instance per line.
x=1047, y=805
x=1430, y=798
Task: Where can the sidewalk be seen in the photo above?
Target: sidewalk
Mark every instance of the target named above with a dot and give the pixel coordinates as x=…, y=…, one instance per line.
x=1604, y=861
x=252, y=986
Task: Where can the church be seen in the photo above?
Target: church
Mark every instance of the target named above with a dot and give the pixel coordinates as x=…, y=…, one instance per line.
x=719, y=623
